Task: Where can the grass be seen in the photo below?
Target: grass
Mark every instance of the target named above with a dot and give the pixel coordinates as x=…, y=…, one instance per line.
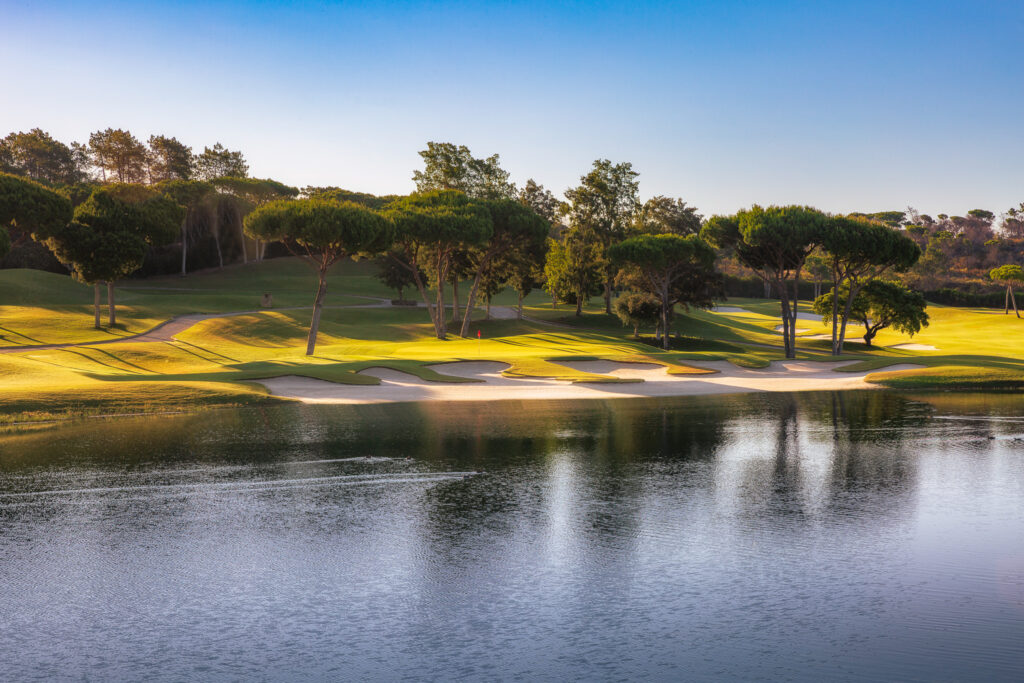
x=217, y=361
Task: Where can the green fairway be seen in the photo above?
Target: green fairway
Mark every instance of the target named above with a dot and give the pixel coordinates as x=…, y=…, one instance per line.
x=212, y=362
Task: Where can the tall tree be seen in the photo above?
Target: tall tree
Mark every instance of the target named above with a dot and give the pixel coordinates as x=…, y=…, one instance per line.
x=574, y=270
x=774, y=242
x=168, y=159
x=453, y=167
x=1010, y=274
x=603, y=206
x=29, y=208
x=220, y=162
x=540, y=200
x=512, y=225
x=38, y=156
x=676, y=269
x=323, y=232
x=253, y=193
x=858, y=251
x=192, y=195
x=108, y=238
x=119, y=155
x=666, y=215
x=429, y=228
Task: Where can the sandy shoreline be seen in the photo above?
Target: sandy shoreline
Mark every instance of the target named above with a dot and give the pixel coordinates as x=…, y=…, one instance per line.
x=398, y=386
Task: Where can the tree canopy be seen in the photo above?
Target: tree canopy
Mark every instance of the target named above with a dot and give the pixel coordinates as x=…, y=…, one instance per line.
x=880, y=304
x=323, y=232
x=453, y=167
x=110, y=233
x=430, y=227
x=774, y=242
x=675, y=269
x=603, y=206
x=858, y=250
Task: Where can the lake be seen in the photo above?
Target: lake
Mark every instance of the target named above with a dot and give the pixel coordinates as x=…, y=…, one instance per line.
x=808, y=537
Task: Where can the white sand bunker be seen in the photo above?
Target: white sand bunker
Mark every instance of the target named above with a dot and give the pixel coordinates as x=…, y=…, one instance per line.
x=400, y=387
x=729, y=309
x=914, y=347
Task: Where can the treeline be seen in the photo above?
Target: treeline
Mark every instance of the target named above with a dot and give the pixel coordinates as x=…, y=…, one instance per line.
x=468, y=222
x=212, y=184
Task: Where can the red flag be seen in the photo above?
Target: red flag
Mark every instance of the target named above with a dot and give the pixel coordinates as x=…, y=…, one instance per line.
x=478, y=334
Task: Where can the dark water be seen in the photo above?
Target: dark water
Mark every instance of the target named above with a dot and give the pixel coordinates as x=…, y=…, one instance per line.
x=857, y=536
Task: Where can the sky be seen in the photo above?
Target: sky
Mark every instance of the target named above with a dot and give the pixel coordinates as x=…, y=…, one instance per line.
x=846, y=106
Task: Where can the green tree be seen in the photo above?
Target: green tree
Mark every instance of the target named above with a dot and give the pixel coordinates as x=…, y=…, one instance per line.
x=109, y=235
x=638, y=309
x=513, y=225
x=523, y=266
x=666, y=215
x=574, y=269
x=453, y=167
x=394, y=275
x=253, y=193
x=878, y=305
x=220, y=162
x=192, y=195
x=168, y=159
x=322, y=232
x=602, y=208
x=1009, y=274
x=29, y=208
x=119, y=155
x=859, y=251
x=540, y=200
x=430, y=227
x=774, y=242
x=38, y=156
x=675, y=269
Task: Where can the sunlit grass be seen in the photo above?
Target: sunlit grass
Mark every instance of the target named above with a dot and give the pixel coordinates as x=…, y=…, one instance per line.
x=220, y=361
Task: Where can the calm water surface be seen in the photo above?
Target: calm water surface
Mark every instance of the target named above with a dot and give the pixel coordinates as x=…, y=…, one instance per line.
x=826, y=536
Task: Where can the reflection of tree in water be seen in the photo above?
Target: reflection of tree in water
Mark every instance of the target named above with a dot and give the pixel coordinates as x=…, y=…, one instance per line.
x=827, y=446
x=582, y=467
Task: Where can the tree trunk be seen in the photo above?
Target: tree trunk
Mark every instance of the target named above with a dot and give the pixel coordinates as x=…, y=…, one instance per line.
x=835, y=312
x=767, y=289
x=111, y=305
x=519, y=310
x=467, y=317
x=487, y=308
x=96, y=299
x=318, y=304
x=184, y=245
x=554, y=301
x=1006, y=303
x=1013, y=300
x=455, y=300
x=579, y=305
x=220, y=256
x=784, y=302
x=608, y=296
x=795, y=311
x=441, y=318
x=664, y=316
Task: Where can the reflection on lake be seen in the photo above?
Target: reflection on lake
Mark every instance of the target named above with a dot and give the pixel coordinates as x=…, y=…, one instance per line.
x=824, y=536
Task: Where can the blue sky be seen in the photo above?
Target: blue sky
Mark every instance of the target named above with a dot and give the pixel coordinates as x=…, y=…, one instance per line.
x=841, y=105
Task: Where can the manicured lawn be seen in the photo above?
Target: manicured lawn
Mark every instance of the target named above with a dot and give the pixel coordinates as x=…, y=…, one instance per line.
x=211, y=363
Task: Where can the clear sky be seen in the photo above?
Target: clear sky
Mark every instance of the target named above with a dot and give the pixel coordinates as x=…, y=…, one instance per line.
x=858, y=105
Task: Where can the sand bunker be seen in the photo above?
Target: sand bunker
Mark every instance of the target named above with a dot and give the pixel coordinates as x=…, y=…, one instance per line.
x=729, y=309
x=398, y=386
x=914, y=347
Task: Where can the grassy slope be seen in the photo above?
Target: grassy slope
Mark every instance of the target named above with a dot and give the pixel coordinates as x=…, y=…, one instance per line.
x=209, y=363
